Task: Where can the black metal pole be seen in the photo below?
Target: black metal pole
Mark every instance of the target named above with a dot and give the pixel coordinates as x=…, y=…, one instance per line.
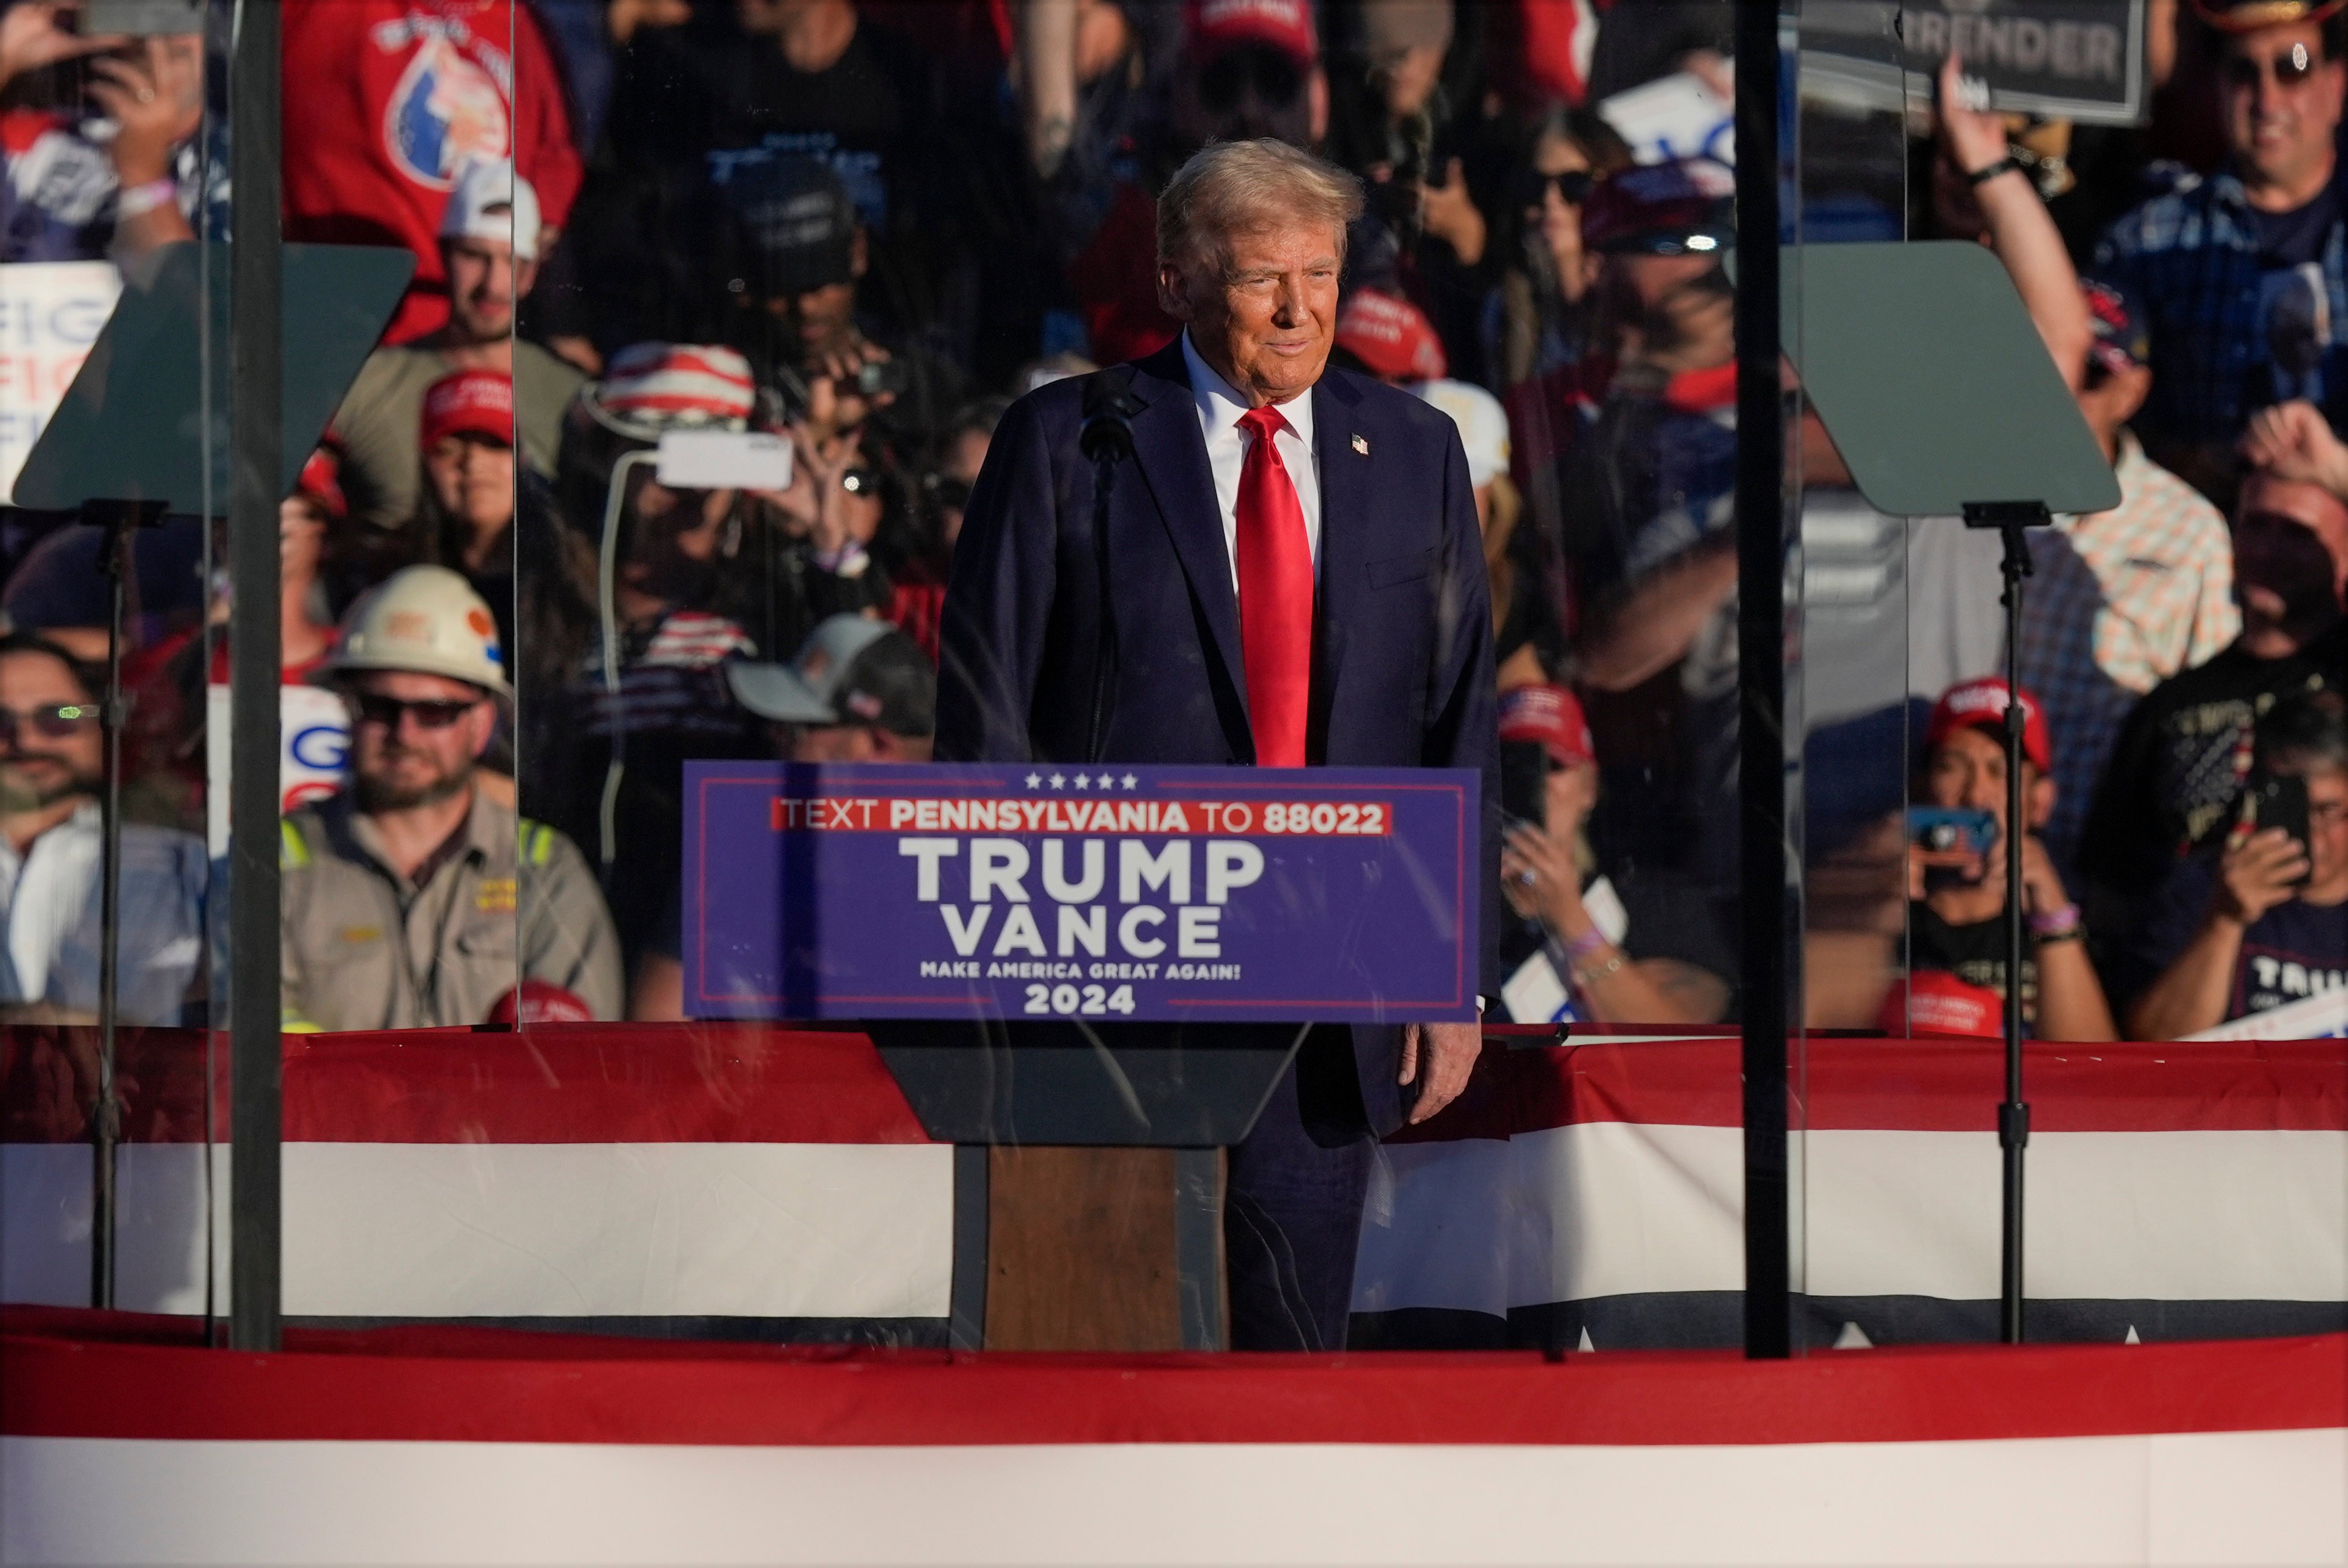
x=106, y=1114
x=255, y=487
x=1767, y=979
x=2013, y=1115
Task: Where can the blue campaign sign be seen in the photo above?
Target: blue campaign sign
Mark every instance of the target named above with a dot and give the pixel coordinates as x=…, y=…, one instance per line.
x=1329, y=895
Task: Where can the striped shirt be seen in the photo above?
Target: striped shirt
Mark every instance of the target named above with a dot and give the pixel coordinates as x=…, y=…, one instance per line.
x=2118, y=602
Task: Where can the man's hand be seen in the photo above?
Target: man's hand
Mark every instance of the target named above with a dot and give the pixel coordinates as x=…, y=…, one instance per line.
x=1438, y=1057
x=2255, y=875
x=2294, y=441
x=1447, y=212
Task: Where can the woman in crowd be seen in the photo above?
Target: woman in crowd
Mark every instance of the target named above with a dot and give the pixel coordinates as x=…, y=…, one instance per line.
x=1539, y=315
x=1575, y=955
x=466, y=505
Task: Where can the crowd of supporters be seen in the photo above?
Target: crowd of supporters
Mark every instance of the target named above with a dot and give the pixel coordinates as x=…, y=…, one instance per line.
x=867, y=225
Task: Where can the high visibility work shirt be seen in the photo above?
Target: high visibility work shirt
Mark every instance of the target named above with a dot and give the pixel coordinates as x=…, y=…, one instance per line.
x=363, y=948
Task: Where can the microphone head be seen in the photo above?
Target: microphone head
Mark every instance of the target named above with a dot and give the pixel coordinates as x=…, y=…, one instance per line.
x=1108, y=410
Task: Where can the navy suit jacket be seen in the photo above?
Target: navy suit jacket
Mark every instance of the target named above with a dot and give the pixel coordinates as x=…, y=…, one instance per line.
x=1402, y=672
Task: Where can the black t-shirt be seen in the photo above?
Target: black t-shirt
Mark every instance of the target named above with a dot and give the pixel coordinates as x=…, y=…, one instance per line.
x=2179, y=763
x=1974, y=953
x=2290, y=953
x=2295, y=238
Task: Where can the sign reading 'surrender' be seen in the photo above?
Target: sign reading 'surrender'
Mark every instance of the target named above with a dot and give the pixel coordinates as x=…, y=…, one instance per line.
x=1142, y=893
x=2074, y=59
x=2064, y=59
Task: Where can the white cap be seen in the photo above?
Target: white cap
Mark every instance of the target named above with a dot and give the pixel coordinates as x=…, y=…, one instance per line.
x=1483, y=426
x=490, y=201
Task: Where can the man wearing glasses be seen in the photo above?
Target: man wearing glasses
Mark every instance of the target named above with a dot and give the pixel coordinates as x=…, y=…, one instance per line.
x=2244, y=275
x=415, y=897
x=51, y=831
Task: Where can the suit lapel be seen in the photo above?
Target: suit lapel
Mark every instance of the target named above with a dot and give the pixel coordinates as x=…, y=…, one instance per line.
x=1346, y=487
x=1172, y=456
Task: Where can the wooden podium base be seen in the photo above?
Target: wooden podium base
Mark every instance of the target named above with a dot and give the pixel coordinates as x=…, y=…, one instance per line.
x=1104, y=1249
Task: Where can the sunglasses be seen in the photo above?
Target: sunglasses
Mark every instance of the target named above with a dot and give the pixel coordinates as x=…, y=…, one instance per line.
x=2288, y=70
x=55, y=721
x=1573, y=186
x=437, y=713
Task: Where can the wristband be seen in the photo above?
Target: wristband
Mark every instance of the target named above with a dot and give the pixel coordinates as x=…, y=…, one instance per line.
x=2054, y=924
x=1983, y=176
x=138, y=201
x=1584, y=946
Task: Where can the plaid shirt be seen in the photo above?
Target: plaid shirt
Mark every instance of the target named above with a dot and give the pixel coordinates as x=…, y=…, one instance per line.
x=2189, y=261
x=2118, y=602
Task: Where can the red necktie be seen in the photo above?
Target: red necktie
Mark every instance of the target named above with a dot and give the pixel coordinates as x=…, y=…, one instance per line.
x=1275, y=568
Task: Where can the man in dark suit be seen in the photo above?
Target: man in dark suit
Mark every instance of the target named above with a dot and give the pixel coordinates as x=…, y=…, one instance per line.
x=1295, y=577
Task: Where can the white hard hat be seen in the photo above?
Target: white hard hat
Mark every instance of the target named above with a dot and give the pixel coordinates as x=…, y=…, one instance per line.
x=490, y=201
x=423, y=620
x=1483, y=426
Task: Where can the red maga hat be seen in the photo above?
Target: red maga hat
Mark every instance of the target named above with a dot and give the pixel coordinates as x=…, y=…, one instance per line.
x=1214, y=26
x=1935, y=1002
x=469, y=403
x=1392, y=337
x=1552, y=716
x=1981, y=703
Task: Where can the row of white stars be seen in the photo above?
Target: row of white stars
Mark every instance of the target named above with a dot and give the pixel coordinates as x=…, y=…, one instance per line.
x=1084, y=781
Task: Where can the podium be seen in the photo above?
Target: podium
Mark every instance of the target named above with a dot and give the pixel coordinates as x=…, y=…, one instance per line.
x=1087, y=1172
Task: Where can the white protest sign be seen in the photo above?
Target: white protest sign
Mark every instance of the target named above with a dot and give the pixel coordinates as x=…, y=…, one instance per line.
x=314, y=744
x=51, y=313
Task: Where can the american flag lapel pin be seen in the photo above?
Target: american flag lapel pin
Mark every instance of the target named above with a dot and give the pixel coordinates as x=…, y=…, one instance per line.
x=1362, y=444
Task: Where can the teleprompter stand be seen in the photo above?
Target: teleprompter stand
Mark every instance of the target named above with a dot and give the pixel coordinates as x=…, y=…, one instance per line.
x=142, y=432
x=1939, y=393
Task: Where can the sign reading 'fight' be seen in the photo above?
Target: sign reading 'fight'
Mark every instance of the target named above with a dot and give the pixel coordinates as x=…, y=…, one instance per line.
x=1332, y=894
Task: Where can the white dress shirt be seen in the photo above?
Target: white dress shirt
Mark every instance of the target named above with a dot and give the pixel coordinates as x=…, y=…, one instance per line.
x=1220, y=412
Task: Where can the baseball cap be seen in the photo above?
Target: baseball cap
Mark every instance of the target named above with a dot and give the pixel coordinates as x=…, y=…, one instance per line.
x=649, y=388
x=1668, y=209
x=1483, y=426
x=1981, y=705
x=469, y=403
x=1391, y=336
x=540, y=1002
x=1934, y=1002
x=2246, y=16
x=2120, y=342
x=1551, y=715
x=793, y=223
x=1286, y=25
x=490, y=201
x=851, y=670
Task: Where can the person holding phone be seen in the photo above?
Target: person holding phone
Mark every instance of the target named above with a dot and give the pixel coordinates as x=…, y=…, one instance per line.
x=1575, y=959
x=1956, y=867
x=2260, y=919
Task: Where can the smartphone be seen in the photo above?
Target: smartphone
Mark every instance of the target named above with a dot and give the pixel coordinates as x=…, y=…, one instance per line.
x=139, y=18
x=1951, y=830
x=1524, y=781
x=2272, y=800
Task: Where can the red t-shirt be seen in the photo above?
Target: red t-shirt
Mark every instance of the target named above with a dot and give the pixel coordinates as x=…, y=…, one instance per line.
x=386, y=99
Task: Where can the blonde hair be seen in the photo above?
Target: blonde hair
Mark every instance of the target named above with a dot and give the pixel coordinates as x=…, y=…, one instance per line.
x=1247, y=187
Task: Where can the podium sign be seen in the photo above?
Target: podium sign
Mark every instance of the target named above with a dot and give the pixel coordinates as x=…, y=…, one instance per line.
x=1118, y=894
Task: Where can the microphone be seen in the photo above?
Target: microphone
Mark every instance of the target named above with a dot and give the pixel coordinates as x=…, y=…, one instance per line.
x=1107, y=434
